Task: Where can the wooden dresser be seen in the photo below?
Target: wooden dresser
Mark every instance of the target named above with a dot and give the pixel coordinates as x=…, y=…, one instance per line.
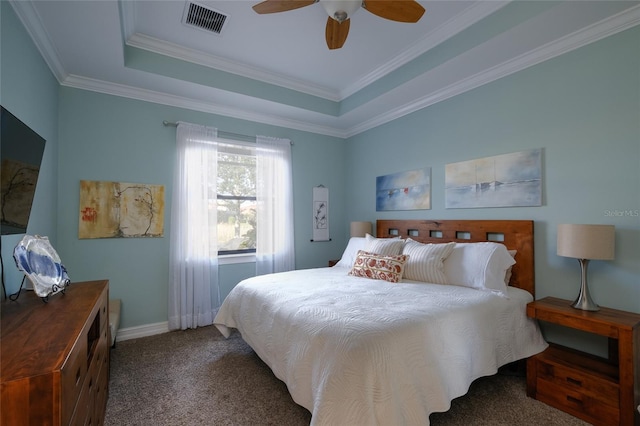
x=54, y=359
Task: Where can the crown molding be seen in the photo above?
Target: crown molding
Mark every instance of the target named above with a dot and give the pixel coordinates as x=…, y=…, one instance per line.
x=597, y=31
x=127, y=11
x=32, y=23
x=592, y=33
x=145, y=95
x=450, y=28
x=151, y=44
x=469, y=16
x=155, y=45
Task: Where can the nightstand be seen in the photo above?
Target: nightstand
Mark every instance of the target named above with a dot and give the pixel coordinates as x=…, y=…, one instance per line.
x=602, y=391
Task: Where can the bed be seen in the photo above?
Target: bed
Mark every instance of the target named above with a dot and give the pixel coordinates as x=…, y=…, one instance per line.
x=356, y=350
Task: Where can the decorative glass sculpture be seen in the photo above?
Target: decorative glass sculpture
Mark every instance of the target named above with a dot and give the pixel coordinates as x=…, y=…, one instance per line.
x=41, y=264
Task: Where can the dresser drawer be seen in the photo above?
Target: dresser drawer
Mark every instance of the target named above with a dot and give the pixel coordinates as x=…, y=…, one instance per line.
x=580, y=404
x=101, y=391
x=600, y=389
x=73, y=374
x=104, y=313
x=82, y=408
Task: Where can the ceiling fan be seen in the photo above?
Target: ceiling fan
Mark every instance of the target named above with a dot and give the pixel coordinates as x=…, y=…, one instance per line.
x=340, y=12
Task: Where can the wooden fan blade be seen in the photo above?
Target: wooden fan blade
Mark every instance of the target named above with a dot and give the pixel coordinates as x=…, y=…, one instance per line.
x=273, y=6
x=336, y=33
x=401, y=11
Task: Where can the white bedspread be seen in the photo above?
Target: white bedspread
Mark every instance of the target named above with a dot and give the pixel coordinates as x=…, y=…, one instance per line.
x=356, y=351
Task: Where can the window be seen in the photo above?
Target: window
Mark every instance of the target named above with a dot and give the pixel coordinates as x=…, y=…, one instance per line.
x=256, y=194
x=236, y=199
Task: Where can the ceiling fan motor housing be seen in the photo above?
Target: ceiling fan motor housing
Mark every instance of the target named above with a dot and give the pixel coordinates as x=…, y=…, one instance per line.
x=341, y=10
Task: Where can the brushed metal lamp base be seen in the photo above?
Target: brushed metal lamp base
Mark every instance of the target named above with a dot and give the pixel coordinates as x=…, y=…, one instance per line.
x=584, y=301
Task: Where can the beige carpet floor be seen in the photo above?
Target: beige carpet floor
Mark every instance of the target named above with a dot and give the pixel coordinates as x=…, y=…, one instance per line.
x=197, y=377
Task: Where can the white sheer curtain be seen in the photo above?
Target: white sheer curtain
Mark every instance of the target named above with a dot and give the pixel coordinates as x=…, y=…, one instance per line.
x=274, y=193
x=193, y=268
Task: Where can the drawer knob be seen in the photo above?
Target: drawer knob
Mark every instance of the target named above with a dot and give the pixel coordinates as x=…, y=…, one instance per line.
x=574, y=400
x=574, y=381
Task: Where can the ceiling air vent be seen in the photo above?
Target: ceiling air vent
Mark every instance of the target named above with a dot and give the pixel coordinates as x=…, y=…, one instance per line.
x=204, y=18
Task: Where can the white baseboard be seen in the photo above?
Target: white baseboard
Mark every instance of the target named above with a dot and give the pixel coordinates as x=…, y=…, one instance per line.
x=142, y=331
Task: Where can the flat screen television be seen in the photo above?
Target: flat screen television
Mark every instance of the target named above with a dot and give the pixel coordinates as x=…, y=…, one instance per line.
x=21, y=151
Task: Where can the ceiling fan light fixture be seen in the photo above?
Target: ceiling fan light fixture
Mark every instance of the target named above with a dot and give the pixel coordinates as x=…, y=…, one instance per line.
x=340, y=16
x=341, y=10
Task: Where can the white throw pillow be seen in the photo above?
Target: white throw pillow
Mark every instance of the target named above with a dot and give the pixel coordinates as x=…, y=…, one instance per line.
x=479, y=265
x=507, y=275
x=384, y=246
x=426, y=261
x=351, y=251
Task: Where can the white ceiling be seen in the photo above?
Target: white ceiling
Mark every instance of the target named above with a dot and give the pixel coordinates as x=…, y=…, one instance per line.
x=84, y=44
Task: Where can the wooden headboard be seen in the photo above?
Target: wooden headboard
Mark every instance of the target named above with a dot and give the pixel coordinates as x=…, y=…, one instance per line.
x=514, y=234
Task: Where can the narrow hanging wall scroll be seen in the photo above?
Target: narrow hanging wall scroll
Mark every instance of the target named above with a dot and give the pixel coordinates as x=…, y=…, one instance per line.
x=320, y=217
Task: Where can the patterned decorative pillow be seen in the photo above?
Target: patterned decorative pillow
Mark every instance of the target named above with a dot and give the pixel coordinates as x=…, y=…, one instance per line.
x=426, y=261
x=384, y=246
x=378, y=267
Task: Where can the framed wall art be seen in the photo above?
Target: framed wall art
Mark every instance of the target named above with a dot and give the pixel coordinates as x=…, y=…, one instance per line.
x=410, y=190
x=120, y=210
x=320, y=217
x=508, y=180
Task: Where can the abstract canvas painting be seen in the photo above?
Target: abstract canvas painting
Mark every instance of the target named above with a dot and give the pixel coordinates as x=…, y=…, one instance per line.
x=509, y=180
x=17, y=189
x=120, y=210
x=409, y=190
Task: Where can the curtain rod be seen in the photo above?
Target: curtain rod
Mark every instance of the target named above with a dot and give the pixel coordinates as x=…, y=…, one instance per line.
x=222, y=133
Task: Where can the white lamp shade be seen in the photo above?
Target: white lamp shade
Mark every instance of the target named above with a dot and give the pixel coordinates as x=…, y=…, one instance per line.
x=586, y=241
x=360, y=229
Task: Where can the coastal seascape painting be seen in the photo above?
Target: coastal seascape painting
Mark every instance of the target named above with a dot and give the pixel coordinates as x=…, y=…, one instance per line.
x=409, y=190
x=509, y=180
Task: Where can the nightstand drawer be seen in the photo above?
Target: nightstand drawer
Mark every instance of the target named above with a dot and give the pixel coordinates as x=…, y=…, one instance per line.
x=601, y=390
x=576, y=381
x=580, y=404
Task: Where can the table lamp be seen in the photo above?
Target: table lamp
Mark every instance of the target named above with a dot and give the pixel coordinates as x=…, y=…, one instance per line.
x=360, y=229
x=586, y=242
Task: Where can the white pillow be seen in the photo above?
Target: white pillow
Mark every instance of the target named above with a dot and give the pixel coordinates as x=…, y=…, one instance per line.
x=384, y=246
x=479, y=265
x=507, y=275
x=426, y=261
x=351, y=251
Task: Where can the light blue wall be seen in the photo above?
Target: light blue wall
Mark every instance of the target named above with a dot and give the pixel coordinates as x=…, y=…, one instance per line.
x=30, y=92
x=583, y=110
x=110, y=138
